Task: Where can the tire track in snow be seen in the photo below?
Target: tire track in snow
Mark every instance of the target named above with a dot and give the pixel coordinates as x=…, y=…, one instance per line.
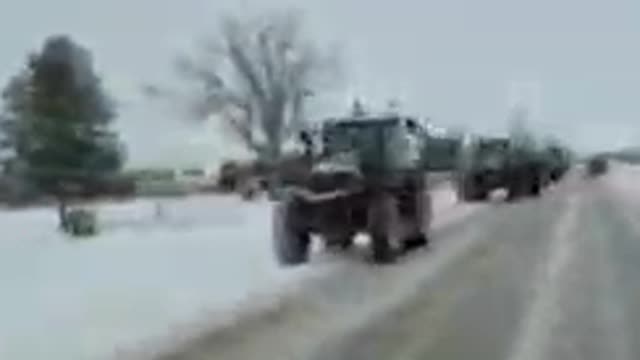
x=591, y=323
x=612, y=306
x=533, y=337
x=449, y=315
x=620, y=271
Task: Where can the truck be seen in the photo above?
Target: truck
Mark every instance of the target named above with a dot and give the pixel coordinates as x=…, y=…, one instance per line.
x=364, y=174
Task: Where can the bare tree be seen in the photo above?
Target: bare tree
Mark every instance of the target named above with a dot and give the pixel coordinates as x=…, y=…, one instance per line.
x=255, y=76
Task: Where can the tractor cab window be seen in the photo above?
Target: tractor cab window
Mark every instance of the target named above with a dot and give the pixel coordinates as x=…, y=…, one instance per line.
x=363, y=141
x=493, y=145
x=405, y=145
x=347, y=137
x=378, y=143
x=412, y=126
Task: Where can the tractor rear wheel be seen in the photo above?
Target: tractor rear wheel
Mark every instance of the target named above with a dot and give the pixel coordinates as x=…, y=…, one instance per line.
x=290, y=239
x=382, y=220
x=422, y=225
x=517, y=184
x=469, y=190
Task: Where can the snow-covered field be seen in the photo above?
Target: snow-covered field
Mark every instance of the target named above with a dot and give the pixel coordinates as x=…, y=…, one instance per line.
x=150, y=271
x=76, y=299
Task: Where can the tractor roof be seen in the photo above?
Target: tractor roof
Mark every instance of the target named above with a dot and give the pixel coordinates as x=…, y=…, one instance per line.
x=366, y=121
x=494, y=140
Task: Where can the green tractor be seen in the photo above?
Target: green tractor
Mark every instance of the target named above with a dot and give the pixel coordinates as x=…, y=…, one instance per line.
x=441, y=153
x=490, y=163
x=597, y=165
x=363, y=174
x=532, y=170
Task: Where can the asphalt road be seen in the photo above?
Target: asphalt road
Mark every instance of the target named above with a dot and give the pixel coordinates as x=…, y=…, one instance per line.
x=556, y=277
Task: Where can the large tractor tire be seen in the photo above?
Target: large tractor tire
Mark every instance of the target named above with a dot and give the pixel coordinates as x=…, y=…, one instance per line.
x=538, y=180
x=290, y=239
x=536, y=188
x=423, y=218
x=468, y=190
x=535, y=184
x=383, y=216
x=465, y=190
x=481, y=195
x=517, y=185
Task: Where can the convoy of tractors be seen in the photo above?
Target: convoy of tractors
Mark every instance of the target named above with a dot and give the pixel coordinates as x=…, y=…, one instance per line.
x=368, y=173
x=487, y=164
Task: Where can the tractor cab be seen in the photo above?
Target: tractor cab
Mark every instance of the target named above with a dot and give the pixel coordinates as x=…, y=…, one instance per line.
x=369, y=144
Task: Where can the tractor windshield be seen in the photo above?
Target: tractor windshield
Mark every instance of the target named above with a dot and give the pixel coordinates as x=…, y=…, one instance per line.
x=492, y=146
x=357, y=135
x=492, y=153
x=348, y=137
x=377, y=144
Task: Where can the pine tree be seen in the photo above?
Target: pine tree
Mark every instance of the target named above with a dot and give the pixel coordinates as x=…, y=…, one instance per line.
x=56, y=120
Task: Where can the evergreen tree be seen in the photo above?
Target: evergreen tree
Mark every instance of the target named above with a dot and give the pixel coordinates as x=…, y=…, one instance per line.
x=56, y=120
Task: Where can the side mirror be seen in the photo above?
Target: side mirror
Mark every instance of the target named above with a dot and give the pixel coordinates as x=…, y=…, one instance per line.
x=412, y=126
x=305, y=137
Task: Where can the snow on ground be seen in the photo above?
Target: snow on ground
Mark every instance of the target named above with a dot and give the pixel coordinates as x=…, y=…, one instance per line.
x=74, y=299
x=152, y=269
x=622, y=178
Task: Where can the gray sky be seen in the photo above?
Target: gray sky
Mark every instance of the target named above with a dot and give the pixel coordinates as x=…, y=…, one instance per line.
x=460, y=62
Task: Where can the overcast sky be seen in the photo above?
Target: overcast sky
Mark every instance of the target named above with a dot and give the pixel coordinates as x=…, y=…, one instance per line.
x=575, y=63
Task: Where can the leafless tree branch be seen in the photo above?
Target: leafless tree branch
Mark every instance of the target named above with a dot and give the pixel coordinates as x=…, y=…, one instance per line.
x=255, y=75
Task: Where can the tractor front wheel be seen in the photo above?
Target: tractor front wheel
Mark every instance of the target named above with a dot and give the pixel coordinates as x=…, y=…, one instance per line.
x=290, y=239
x=383, y=215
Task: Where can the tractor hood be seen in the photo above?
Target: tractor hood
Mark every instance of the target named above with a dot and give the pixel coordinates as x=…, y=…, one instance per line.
x=337, y=172
x=345, y=162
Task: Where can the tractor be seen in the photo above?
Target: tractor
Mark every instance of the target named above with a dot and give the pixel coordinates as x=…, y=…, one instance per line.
x=441, y=152
x=490, y=163
x=597, y=165
x=362, y=174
